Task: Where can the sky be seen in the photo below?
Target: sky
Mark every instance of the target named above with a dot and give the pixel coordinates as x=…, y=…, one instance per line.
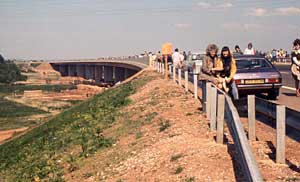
x=77, y=29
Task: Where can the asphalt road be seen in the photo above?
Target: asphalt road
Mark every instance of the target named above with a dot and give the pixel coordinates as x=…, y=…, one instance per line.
x=288, y=94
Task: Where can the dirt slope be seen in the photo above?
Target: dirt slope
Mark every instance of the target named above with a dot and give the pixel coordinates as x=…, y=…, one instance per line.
x=161, y=136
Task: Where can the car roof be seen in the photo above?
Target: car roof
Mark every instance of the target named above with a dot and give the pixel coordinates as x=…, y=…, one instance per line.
x=241, y=56
x=197, y=52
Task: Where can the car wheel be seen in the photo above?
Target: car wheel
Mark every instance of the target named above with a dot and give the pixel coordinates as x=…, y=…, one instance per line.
x=272, y=95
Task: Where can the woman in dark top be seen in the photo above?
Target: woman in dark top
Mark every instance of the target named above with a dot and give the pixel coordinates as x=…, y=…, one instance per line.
x=227, y=62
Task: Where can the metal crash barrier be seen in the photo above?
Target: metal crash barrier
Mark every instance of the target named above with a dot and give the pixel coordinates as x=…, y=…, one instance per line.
x=219, y=107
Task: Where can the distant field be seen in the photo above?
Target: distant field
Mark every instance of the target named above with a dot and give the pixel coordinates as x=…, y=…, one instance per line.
x=15, y=115
x=20, y=88
x=13, y=109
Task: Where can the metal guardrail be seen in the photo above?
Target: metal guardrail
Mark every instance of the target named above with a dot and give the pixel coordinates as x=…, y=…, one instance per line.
x=248, y=162
x=268, y=109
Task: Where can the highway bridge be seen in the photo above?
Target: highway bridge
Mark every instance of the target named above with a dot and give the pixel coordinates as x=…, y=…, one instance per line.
x=102, y=71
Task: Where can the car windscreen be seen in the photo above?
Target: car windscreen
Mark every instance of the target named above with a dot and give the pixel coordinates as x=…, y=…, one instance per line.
x=197, y=57
x=252, y=63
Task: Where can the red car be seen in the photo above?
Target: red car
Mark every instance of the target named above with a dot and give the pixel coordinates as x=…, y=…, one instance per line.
x=256, y=75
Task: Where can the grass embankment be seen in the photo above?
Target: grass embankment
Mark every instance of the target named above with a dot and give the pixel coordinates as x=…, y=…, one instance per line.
x=15, y=115
x=44, y=153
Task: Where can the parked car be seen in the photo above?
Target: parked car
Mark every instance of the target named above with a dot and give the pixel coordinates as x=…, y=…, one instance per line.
x=255, y=74
x=194, y=60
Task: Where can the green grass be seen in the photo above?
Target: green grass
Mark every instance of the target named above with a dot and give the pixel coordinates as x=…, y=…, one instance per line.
x=175, y=157
x=178, y=170
x=190, y=179
x=164, y=125
x=38, y=155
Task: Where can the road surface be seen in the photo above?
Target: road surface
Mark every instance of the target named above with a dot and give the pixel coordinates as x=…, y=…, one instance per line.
x=288, y=94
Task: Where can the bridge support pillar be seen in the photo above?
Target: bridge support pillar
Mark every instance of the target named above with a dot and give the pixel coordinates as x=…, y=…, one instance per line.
x=108, y=74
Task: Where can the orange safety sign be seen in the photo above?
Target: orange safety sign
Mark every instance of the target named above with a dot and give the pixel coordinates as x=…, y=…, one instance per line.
x=166, y=49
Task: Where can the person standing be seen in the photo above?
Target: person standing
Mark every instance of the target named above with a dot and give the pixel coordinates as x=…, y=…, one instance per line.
x=227, y=62
x=159, y=57
x=238, y=50
x=177, y=58
x=184, y=56
x=249, y=50
x=295, y=56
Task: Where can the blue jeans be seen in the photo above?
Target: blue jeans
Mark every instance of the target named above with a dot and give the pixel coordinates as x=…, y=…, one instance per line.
x=234, y=91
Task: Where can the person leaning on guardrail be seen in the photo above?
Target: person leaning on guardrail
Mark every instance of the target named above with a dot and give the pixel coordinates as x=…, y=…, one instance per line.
x=228, y=65
x=209, y=64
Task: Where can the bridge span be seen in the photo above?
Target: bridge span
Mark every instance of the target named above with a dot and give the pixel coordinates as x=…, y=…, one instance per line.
x=102, y=71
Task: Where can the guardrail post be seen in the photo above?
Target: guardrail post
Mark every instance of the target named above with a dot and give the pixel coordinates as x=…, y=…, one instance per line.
x=203, y=90
x=179, y=76
x=220, y=118
x=186, y=77
x=251, y=118
x=174, y=73
x=213, y=110
x=280, y=134
x=196, y=86
x=208, y=98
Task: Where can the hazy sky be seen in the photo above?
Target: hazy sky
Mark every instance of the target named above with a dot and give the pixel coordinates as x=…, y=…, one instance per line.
x=65, y=29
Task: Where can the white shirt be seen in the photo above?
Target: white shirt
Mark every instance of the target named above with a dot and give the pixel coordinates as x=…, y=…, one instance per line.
x=177, y=58
x=249, y=51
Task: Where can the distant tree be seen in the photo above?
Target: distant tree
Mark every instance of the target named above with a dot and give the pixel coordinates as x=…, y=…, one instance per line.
x=10, y=73
x=2, y=60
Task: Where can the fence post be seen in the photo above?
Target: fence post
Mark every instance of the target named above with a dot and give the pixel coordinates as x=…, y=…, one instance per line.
x=208, y=98
x=174, y=73
x=280, y=134
x=196, y=86
x=213, y=110
x=251, y=118
x=179, y=76
x=166, y=68
x=186, y=77
x=159, y=67
x=220, y=118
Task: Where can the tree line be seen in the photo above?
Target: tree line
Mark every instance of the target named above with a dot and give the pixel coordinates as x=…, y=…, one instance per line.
x=10, y=72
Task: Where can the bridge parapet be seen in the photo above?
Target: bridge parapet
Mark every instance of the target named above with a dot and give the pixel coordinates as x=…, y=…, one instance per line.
x=107, y=71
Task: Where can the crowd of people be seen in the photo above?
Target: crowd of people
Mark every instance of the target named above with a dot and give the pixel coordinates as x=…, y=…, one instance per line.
x=220, y=70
